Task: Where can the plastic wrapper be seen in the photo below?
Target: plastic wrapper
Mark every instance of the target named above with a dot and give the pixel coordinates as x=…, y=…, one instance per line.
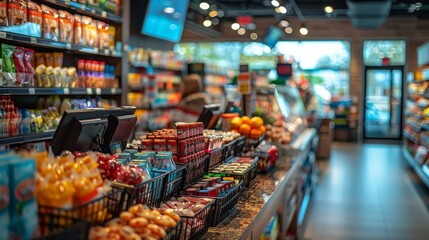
x=90, y=33
x=111, y=34
x=35, y=13
x=29, y=69
x=50, y=25
x=18, y=59
x=103, y=30
x=66, y=26
x=3, y=13
x=17, y=12
x=50, y=60
x=58, y=59
x=42, y=77
x=9, y=74
x=51, y=77
x=78, y=31
x=40, y=59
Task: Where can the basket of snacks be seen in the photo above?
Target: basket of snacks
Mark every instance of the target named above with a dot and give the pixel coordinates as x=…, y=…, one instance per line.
x=214, y=158
x=77, y=231
x=173, y=181
x=241, y=142
x=242, y=168
x=194, y=170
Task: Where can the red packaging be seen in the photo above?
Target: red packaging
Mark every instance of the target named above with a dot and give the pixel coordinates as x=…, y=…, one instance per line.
x=183, y=148
x=147, y=144
x=18, y=60
x=191, y=191
x=182, y=130
x=159, y=145
x=172, y=146
x=34, y=13
x=17, y=12
x=200, y=127
x=183, y=160
x=29, y=69
x=175, y=158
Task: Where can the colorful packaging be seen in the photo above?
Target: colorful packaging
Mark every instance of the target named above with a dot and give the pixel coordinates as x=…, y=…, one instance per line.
x=112, y=34
x=18, y=59
x=88, y=26
x=23, y=205
x=4, y=199
x=103, y=30
x=66, y=26
x=50, y=23
x=9, y=73
x=17, y=12
x=29, y=69
x=3, y=13
x=58, y=59
x=34, y=13
x=78, y=34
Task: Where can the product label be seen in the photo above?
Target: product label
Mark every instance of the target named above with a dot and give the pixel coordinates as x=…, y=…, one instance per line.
x=243, y=81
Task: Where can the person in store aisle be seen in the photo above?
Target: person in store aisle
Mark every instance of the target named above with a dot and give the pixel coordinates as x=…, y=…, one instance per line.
x=193, y=100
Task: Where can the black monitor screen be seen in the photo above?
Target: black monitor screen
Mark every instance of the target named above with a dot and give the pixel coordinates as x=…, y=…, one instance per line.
x=165, y=19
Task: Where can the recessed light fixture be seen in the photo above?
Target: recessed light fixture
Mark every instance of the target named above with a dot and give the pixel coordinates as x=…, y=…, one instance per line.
x=275, y=3
x=207, y=23
x=235, y=26
x=303, y=30
x=254, y=36
x=329, y=9
x=213, y=13
x=288, y=30
x=284, y=23
x=283, y=9
x=204, y=5
x=241, y=31
x=169, y=10
x=215, y=21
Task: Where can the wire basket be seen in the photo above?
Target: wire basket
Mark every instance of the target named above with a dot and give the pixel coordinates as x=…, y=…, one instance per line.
x=148, y=193
x=195, y=227
x=76, y=231
x=241, y=142
x=225, y=205
x=229, y=150
x=172, y=182
x=194, y=172
x=53, y=220
x=214, y=158
x=174, y=233
x=248, y=175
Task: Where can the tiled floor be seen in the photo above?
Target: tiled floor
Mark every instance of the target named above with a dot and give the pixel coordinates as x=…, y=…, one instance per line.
x=367, y=192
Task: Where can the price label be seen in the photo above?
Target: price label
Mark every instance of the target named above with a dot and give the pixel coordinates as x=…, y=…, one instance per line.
x=96, y=50
x=93, y=10
x=33, y=40
x=243, y=81
x=98, y=91
x=66, y=91
x=106, y=52
x=2, y=35
x=113, y=90
x=89, y=91
x=31, y=91
x=68, y=45
x=83, y=8
x=104, y=14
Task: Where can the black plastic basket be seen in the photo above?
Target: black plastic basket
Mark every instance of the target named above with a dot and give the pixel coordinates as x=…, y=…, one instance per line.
x=229, y=150
x=172, y=182
x=174, y=233
x=76, y=231
x=251, y=144
x=225, y=205
x=248, y=175
x=195, y=227
x=241, y=141
x=98, y=211
x=194, y=172
x=148, y=193
x=214, y=158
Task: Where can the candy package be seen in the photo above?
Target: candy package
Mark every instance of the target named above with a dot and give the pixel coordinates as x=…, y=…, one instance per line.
x=9, y=74
x=34, y=13
x=42, y=78
x=17, y=12
x=66, y=26
x=50, y=23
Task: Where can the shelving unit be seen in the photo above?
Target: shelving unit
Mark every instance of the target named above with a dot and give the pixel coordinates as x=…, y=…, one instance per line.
x=421, y=171
x=213, y=81
x=60, y=91
x=35, y=137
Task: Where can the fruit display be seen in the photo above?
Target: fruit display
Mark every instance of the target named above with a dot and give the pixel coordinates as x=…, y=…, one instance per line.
x=252, y=128
x=139, y=222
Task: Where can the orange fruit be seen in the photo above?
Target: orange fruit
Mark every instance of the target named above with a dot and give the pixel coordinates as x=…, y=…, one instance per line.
x=234, y=130
x=263, y=129
x=256, y=122
x=236, y=122
x=245, y=120
x=244, y=129
x=255, y=133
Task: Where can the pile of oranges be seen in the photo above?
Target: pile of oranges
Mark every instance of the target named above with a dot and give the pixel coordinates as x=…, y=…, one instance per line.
x=250, y=127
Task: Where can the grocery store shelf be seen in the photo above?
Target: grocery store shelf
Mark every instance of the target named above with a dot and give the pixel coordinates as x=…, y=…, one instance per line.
x=15, y=38
x=59, y=91
x=84, y=10
x=216, y=73
x=165, y=68
x=413, y=125
x=290, y=217
x=140, y=64
x=409, y=136
x=422, y=172
x=35, y=137
x=422, y=81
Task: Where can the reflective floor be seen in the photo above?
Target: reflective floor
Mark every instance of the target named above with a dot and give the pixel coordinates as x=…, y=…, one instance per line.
x=367, y=192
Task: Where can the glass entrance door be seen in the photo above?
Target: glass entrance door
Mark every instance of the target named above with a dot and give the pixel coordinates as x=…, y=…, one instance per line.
x=383, y=102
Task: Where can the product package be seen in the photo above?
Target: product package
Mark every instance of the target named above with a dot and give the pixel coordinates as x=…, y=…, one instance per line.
x=103, y=30
x=66, y=26
x=50, y=59
x=112, y=34
x=17, y=12
x=29, y=69
x=4, y=199
x=9, y=74
x=78, y=34
x=34, y=13
x=3, y=13
x=40, y=59
x=87, y=29
x=18, y=59
x=50, y=23
x=112, y=6
x=58, y=59
x=42, y=78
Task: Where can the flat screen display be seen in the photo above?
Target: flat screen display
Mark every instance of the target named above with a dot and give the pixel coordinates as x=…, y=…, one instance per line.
x=274, y=34
x=165, y=19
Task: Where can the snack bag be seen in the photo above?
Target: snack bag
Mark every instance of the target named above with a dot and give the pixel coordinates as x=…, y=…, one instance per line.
x=112, y=34
x=50, y=59
x=66, y=26
x=9, y=74
x=34, y=13
x=42, y=77
x=50, y=23
x=103, y=37
x=29, y=69
x=18, y=59
x=78, y=32
x=40, y=59
x=58, y=59
x=17, y=12
x=51, y=77
x=23, y=205
x=3, y=13
x=4, y=199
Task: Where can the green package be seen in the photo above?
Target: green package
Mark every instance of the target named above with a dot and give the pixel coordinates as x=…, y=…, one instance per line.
x=9, y=71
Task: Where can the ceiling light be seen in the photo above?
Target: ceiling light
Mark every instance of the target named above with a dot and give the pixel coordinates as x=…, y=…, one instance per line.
x=215, y=21
x=303, y=30
x=288, y=30
x=282, y=9
x=235, y=26
x=241, y=31
x=275, y=3
x=267, y=49
x=220, y=13
x=207, y=23
x=254, y=36
x=169, y=10
x=213, y=13
x=204, y=5
x=284, y=23
x=329, y=9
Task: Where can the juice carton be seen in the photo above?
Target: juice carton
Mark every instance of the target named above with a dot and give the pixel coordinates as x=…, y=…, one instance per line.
x=23, y=205
x=4, y=199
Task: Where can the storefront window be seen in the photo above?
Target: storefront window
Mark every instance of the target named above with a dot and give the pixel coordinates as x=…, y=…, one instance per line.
x=392, y=51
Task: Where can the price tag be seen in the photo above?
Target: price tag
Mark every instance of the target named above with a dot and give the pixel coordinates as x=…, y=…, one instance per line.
x=113, y=90
x=106, y=52
x=68, y=45
x=104, y=14
x=33, y=40
x=93, y=10
x=96, y=50
x=243, y=81
x=89, y=91
x=83, y=7
x=2, y=35
x=31, y=91
x=98, y=91
x=66, y=91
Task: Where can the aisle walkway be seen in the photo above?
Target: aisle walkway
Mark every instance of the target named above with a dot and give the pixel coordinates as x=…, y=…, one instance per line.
x=367, y=192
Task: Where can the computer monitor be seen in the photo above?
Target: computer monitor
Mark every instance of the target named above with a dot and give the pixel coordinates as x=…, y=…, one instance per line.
x=210, y=115
x=118, y=132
